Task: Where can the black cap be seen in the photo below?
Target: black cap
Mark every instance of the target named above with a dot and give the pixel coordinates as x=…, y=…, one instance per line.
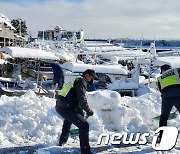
x=91, y=72
x=165, y=67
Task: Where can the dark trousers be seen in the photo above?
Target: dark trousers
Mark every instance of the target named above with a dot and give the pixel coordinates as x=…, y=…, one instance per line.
x=71, y=116
x=167, y=105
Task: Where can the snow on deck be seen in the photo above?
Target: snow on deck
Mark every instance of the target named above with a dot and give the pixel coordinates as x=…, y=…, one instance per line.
x=19, y=52
x=2, y=61
x=101, y=46
x=131, y=54
x=79, y=67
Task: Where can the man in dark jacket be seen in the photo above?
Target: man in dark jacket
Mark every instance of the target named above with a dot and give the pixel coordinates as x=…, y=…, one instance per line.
x=58, y=77
x=70, y=104
x=169, y=85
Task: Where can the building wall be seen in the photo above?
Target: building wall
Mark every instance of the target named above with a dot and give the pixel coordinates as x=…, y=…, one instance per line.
x=59, y=34
x=8, y=37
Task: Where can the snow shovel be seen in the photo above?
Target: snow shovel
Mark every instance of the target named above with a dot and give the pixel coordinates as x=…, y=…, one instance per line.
x=76, y=130
x=171, y=116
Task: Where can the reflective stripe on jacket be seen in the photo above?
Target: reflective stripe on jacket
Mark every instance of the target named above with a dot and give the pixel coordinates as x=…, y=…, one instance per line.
x=74, y=95
x=66, y=88
x=170, y=77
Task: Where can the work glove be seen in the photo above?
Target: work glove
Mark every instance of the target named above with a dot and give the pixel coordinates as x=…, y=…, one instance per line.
x=90, y=112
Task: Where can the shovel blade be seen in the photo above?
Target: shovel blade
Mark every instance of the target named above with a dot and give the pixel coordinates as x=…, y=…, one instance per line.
x=74, y=131
x=171, y=116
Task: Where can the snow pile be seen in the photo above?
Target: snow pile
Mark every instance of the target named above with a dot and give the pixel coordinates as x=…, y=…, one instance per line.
x=125, y=114
x=30, y=120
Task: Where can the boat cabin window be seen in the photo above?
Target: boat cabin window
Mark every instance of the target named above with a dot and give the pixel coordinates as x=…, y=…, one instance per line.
x=104, y=77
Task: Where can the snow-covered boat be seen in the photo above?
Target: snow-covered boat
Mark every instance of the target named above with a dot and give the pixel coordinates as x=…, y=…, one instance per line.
x=153, y=60
x=112, y=76
x=28, y=59
x=17, y=87
x=99, y=46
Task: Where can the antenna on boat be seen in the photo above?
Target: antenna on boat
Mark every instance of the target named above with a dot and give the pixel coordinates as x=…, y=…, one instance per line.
x=154, y=40
x=152, y=57
x=141, y=42
x=121, y=42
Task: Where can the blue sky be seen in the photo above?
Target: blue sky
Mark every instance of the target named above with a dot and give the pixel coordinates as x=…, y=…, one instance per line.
x=24, y=2
x=18, y=1
x=35, y=1
x=99, y=18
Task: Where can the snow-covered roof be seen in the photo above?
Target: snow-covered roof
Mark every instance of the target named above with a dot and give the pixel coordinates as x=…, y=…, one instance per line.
x=108, y=69
x=19, y=52
x=4, y=19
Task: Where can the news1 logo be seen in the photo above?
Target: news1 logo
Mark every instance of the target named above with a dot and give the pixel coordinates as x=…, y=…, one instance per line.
x=168, y=139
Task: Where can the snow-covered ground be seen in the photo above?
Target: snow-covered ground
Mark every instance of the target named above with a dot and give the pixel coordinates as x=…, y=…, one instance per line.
x=30, y=123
